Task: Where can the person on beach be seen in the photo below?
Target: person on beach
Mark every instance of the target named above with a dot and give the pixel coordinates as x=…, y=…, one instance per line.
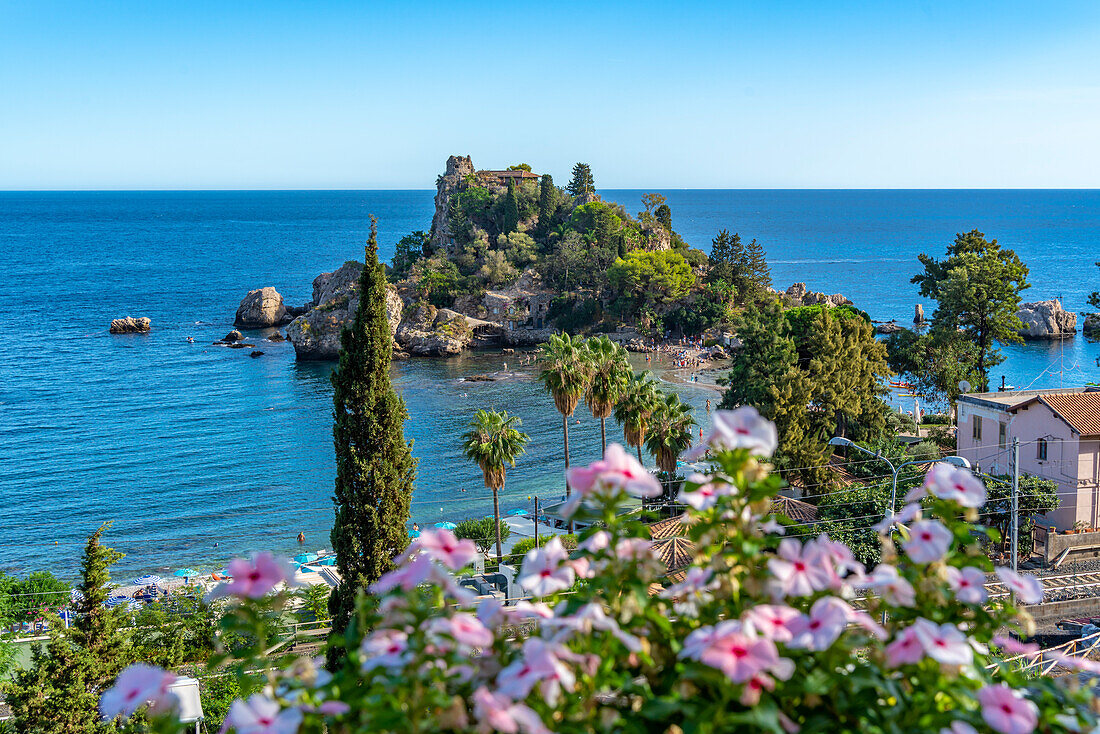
x=708, y=406
x=416, y=528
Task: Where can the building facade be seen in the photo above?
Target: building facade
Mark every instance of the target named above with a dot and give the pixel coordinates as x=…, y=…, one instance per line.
x=1059, y=434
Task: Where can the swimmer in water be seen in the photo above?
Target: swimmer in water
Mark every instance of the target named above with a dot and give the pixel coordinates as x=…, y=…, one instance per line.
x=190, y=340
x=301, y=537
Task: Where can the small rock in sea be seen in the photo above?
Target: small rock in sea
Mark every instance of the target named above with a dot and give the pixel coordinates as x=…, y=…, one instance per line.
x=277, y=337
x=257, y=353
x=233, y=336
x=480, y=378
x=261, y=308
x=240, y=345
x=130, y=325
x=508, y=351
x=889, y=327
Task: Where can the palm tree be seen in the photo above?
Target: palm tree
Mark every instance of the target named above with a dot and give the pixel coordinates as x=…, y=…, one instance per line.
x=610, y=370
x=492, y=442
x=565, y=376
x=636, y=406
x=669, y=432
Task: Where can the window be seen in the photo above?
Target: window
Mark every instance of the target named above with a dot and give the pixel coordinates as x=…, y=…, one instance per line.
x=1002, y=440
x=977, y=428
x=1042, y=446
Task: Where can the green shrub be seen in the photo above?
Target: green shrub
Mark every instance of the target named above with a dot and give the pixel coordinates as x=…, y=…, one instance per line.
x=482, y=533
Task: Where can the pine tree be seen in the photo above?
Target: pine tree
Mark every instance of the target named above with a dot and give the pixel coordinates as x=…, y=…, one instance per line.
x=59, y=691
x=548, y=203
x=582, y=184
x=375, y=468
x=726, y=260
x=663, y=214
x=760, y=275
x=510, y=218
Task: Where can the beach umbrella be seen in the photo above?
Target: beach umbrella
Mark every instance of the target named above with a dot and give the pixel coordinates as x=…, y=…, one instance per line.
x=75, y=595
x=414, y=533
x=305, y=557
x=518, y=513
x=134, y=605
x=116, y=600
x=446, y=525
x=330, y=561
x=147, y=580
x=183, y=572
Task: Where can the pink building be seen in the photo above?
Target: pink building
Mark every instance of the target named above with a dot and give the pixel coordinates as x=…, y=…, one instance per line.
x=1059, y=432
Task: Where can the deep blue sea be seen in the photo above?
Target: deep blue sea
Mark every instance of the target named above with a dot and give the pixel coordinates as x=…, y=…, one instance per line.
x=198, y=452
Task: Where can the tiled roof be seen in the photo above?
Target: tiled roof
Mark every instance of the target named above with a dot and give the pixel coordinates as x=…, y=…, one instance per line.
x=675, y=553
x=1081, y=410
x=671, y=528
x=796, y=510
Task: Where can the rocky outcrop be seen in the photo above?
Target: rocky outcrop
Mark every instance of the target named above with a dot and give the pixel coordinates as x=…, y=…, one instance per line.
x=231, y=337
x=1046, y=320
x=316, y=334
x=459, y=168
x=260, y=309
x=1091, y=327
x=918, y=314
x=799, y=295
x=431, y=332
x=130, y=325
x=888, y=327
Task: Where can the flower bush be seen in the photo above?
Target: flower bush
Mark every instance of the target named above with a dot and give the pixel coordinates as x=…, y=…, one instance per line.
x=760, y=633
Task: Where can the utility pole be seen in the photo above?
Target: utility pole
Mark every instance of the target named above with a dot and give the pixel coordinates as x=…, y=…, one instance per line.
x=536, y=521
x=1015, y=501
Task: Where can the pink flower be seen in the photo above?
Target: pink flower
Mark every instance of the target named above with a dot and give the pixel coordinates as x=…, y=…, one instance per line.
x=738, y=652
x=928, y=541
x=893, y=587
x=1027, y=588
x=706, y=493
x=950, y=483
x=827, y=619
x=944, y=643
x=788, y=724
x=384, y=649
x=544, y=570
x=596, y=542
x=261, y=715
x=968, y=584
x=634, y=549
x=333, y=708
x=1015, y=647
x=542, y=664
x=442, y=545
x=618, y=470
x=838, y=555
x=254, y=580
x=692, y=591
x=772, y=526
x=464, y=628
x=592, y=617
x=407, y=576
x=906, y=649
x=959, y=727
x=743, y=428
x=495, y=712
x=1007, y=711
x=774, y=621
x=800, y=571
x=135, y=686
x=902, y=517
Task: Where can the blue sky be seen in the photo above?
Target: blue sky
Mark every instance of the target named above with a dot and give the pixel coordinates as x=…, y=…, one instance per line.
x=674, y=95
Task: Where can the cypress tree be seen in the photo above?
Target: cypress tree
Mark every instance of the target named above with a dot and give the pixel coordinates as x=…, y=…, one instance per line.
x=548, y=202
x=59, y=691
x=511, y=209
x=375, y=468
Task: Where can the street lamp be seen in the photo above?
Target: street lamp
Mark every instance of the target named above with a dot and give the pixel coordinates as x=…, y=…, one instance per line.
x=848, y=443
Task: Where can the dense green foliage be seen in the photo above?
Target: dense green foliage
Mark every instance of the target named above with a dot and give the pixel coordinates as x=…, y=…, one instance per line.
x=977, y=290
x=817, y=372
x=1035, y=496
x=649, y=279
x=375, y=468
x=582, y=183
x=59, y=691
x=408, y=250
x=483, y=532
x=934, y=362
x=28, y=599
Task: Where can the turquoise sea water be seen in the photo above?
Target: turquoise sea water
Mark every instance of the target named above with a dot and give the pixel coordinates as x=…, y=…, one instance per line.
x=198, y=453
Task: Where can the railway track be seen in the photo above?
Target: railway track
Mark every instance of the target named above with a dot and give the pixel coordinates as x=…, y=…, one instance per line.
x=1056, y=585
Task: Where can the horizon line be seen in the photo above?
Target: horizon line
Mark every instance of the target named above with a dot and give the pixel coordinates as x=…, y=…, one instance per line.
x=630, y=188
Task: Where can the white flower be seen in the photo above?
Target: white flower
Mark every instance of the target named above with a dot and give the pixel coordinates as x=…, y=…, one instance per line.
x=544, y=569
x=1027, y=588
x=743, y=428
